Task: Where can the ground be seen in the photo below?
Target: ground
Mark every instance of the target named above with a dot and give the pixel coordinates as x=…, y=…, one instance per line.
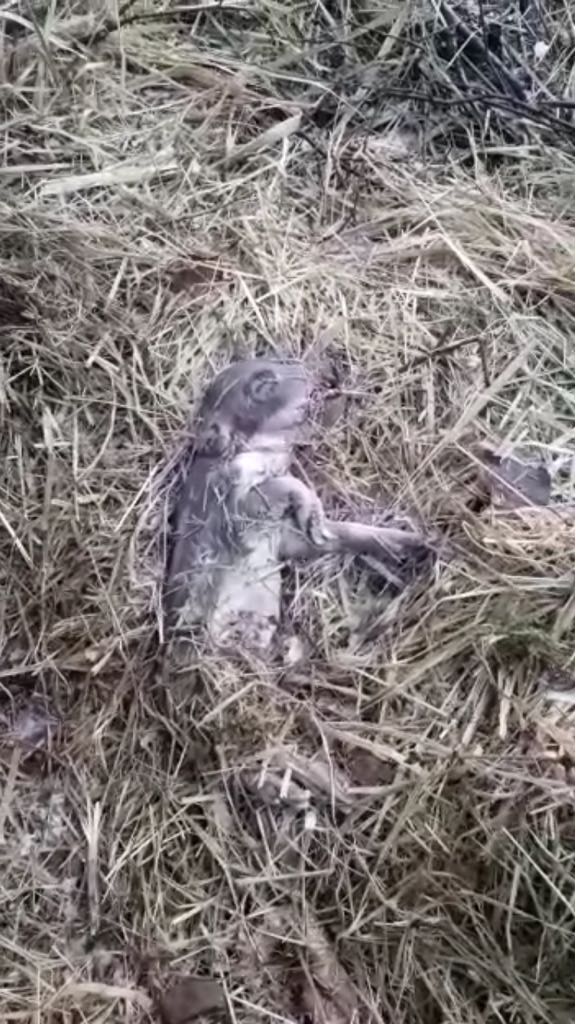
x=383, y=831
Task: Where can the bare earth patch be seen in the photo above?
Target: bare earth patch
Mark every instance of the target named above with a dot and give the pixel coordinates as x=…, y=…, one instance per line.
x=380, y=828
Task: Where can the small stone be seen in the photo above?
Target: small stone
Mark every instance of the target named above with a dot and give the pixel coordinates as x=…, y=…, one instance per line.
x=189, y=998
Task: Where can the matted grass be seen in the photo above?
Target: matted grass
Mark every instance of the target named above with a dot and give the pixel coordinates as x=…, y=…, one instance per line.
x=384, y=833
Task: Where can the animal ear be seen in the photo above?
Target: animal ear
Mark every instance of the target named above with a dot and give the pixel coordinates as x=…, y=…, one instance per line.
x=261, y=386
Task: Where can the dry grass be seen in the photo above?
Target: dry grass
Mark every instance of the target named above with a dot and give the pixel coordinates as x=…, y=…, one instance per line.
x=387, y=835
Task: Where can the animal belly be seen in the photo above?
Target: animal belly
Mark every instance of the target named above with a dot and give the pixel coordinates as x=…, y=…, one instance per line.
x=247, y=608
x=198, y=561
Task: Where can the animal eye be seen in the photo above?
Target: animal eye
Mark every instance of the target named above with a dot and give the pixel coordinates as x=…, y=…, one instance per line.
x=212, y=440
x=262, y=386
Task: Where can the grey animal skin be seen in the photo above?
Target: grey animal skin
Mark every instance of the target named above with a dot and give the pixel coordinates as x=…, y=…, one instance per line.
x=242, y=513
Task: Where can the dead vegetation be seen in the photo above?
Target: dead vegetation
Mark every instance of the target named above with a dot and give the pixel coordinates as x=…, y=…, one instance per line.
x=384, y=831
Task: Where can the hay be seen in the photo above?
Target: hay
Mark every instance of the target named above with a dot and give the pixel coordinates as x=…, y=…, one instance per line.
x=397, y=814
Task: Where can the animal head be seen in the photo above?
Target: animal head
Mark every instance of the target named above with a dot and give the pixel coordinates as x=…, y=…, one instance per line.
x=255, y=398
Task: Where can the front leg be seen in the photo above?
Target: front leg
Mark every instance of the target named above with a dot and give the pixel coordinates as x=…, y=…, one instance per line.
x=385, y=543
x=287, y=494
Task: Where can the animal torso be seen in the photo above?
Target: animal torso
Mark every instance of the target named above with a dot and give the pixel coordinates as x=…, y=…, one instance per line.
x=224, y=570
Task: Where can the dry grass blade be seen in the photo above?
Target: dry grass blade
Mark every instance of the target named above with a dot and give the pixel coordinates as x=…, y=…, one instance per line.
x=370, y=189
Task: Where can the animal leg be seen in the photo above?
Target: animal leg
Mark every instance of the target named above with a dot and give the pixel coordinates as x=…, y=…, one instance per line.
x=288, y=494
x=385, y=543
